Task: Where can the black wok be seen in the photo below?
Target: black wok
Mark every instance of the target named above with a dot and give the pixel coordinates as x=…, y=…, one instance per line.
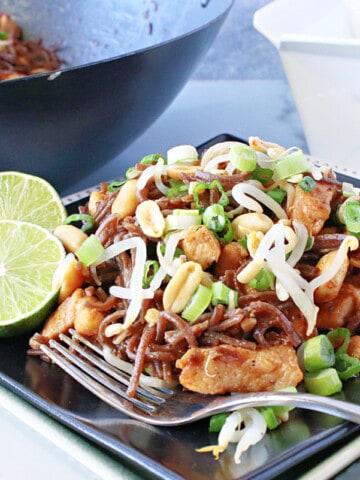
x=125, y=61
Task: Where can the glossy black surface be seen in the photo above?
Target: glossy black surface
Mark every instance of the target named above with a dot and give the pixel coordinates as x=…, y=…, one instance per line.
x=170, y=452
x=126, y=62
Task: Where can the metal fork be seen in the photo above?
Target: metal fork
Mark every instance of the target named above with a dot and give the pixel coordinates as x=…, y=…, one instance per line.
x=164, y=406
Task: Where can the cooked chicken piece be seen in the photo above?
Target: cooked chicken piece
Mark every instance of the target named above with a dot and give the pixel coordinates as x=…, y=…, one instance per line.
x=334, y=314
x=73, y=312
x=231, y=256
x=226, y=368
x=312, y=208
x=200, y=245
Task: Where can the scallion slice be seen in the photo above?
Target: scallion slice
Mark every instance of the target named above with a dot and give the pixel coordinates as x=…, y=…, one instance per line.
x=151, y=158
x=243, y=157
x=262, y=175
x=346, y=366
x=316, y=353
x=214, y=217
x=277, y=194
x=182, y=154
x=307, y=184
x=217, y=421
x=198, y=303
x=323, y=382
x=271, y=419
x=3, y=35
x=87, y=220
x=150, y=268
x=340, y=339
x=90, y=250
x=114, y=186
x=263, y=280
x=181, y=219
x=221, y=293
x=351, y=215
x=202, y=186
x=291, y=164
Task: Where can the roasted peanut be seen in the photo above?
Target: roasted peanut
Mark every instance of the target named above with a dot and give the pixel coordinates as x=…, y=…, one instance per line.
x=250, y=222
x=152, y=316
x=63, y=317
x=73, y=277
x=87, y=320
x=182, y=286
x=174, y=171
x=71, y=237
x=126, y=200
x=329, y=290
x=94, y=199
x=200, y=245
x=150, y=218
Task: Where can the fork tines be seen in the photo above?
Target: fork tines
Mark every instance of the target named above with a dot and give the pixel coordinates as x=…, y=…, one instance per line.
x=84, y=361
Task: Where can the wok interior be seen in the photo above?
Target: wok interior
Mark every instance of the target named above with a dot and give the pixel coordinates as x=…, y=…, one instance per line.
x=89, y=31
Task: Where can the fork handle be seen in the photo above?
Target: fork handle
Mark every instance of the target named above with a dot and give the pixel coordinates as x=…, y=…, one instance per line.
x=339, y=408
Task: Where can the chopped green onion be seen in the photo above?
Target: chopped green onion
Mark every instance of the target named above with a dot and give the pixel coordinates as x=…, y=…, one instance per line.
x=316, y=353
x=262, y=175
x=340, y=339
x=114, y=186
x=182, y=219
x=263, y=280
x=348, y=189
x=243, y=241
x=151, y=158
x=323, y=382
x=217, y=421
x=198, y=303
x=200, y=187
x=346, y=365
x=309, y=243
x=177, y=254
x=214, y=217
x=88, y=221
x=307, y=184
x=271, y=419
x=90, y=250
x=280, y=410
x=291, y=164
x=131, y=173
x=221, y=293
x=277, y=194
x=150, y=268
x=243, y=157
x=182, y=154
x=351, y=215
x=3, y=35
x=228, y=232
x=176, y=189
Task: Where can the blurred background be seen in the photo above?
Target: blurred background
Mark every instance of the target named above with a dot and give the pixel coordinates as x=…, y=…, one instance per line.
x=239, y=51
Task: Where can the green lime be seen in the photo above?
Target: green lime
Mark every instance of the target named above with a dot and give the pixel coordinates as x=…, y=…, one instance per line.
x=30, y=199
x=29, y=256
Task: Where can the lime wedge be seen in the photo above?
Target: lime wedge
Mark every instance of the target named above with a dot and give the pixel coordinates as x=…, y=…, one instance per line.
x=30, y=199
x=29, y=256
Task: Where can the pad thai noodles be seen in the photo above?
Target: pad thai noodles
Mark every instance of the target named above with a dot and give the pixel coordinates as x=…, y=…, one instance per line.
x=218, y=270
x=21, y=58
